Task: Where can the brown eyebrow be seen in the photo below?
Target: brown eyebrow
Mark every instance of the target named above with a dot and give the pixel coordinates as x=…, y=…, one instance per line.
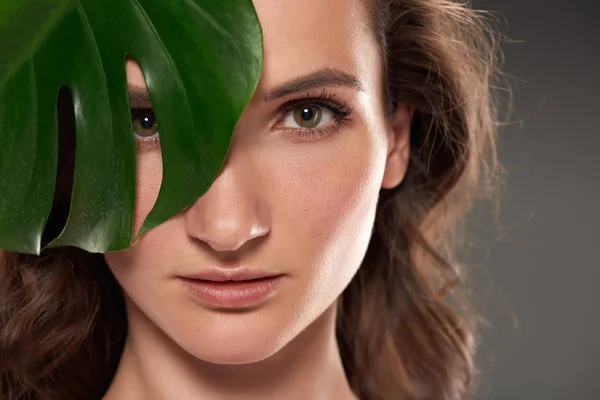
x=139, y=97
x=320, y=78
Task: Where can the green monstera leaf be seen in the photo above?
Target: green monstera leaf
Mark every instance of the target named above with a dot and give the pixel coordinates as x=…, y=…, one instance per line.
x=201, y=59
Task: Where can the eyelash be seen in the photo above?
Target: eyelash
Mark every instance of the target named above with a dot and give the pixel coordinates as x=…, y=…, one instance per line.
x=144, y=143
x=341, y=113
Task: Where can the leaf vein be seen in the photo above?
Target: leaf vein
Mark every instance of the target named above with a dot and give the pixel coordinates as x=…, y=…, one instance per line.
x=86, y=21
x=168, y=55
x=215, y=24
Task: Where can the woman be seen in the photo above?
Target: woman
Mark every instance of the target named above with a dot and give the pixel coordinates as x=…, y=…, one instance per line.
x=318, y=265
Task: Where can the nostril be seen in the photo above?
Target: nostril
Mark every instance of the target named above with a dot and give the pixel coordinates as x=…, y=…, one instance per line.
x=229, y=214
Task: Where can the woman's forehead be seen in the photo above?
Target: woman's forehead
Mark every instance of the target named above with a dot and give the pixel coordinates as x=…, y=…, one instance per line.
x=301, y=37
x=326, y=20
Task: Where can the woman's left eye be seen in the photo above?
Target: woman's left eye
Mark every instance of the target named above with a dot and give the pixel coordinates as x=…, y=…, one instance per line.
x=145, y=127
x=308, y=117
x=144, y=123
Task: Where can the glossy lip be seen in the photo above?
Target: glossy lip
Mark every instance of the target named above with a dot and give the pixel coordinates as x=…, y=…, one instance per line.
x=230, y=274
x=231, y=288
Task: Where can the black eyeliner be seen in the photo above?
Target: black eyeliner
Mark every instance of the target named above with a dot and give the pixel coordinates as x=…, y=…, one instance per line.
x=324, y=99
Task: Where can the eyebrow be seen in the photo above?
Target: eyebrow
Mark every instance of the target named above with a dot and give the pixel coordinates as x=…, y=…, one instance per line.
x=320, y=78
x=139, y=97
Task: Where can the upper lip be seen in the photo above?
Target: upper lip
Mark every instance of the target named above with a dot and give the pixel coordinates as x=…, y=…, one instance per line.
x=237, y=274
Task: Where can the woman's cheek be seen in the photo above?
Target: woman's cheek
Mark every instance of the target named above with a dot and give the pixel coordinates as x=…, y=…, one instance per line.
x=148, y=181
x=322, y=189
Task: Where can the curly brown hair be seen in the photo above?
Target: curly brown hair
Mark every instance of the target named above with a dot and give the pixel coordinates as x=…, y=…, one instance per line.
x=401, y=335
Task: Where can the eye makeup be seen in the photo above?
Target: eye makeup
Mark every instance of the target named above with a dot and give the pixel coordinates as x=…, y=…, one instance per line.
x=314, y=116
x=145, y=127
x=307, y=108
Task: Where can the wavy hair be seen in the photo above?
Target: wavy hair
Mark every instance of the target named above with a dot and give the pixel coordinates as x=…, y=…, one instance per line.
x=404, y=330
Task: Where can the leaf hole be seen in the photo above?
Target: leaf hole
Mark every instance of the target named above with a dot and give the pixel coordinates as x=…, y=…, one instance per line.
x=66, y=167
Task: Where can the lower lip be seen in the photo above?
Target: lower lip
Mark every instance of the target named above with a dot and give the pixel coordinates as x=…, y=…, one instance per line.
x=232, y=294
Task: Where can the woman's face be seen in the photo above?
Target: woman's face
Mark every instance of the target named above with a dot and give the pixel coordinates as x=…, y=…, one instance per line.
x=296, y=196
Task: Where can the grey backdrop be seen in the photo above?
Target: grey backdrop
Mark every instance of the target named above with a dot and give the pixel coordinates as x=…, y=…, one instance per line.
x=544, y=266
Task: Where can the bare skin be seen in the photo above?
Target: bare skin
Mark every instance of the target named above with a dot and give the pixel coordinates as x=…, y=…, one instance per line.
x=294, y=200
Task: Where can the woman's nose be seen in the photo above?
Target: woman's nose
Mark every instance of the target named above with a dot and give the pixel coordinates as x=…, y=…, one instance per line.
x=230, y=214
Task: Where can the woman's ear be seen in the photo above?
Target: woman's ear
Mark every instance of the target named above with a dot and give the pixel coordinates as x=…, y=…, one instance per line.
x=398, y=146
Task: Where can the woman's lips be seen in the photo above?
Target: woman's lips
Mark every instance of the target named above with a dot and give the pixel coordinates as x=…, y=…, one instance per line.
x=232, y=294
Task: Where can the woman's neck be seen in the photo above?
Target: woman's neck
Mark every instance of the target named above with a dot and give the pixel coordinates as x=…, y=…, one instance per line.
x=153, y=367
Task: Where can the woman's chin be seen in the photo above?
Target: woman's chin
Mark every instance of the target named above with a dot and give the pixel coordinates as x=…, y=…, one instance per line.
x=232, y=346
x=234, y=353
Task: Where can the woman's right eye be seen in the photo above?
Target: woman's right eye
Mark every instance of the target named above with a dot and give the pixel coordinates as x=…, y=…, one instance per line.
x=144, y=127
